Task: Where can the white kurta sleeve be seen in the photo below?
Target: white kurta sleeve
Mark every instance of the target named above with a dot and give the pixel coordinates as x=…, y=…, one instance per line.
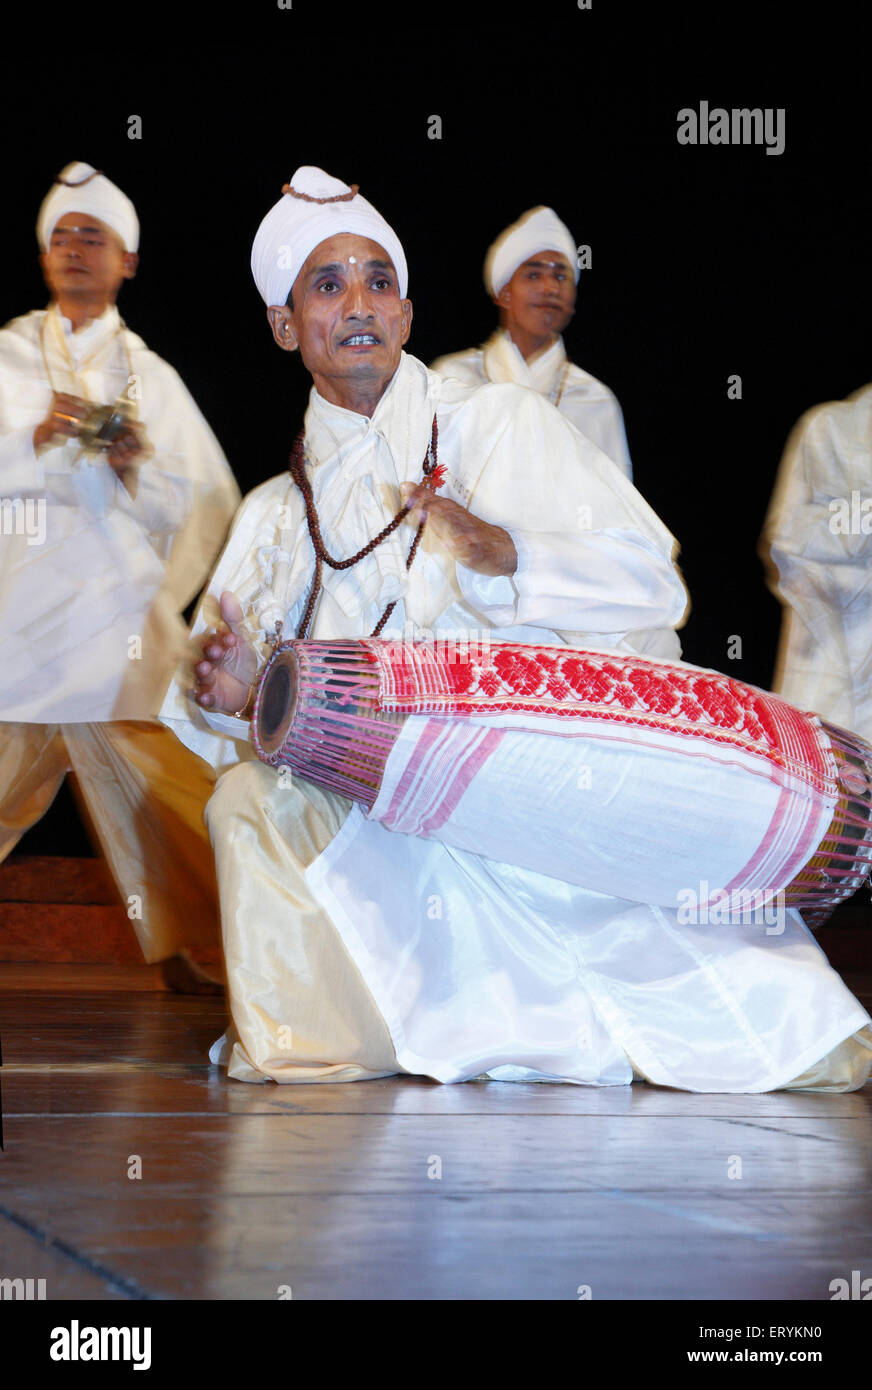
x=818, y=521
x=21, y=472
x=820, y=542
x=161, y=505
x=462, y=366
x=592, y=555
x=819, y=539
x=187, y=492
x=162, y=502
x=603, y=581
x=221, y=739
x=617, y=434
x=597, y=415
x=50, y=474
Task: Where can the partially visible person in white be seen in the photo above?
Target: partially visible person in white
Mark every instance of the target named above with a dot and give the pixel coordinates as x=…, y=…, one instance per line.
x=817, y=544
x=90, y=625
x=531, y=273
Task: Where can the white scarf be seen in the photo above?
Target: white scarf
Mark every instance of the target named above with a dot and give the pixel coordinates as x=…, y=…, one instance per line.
x=356, y=465
x=77, y=361
x=94, y=364
x=504, y=362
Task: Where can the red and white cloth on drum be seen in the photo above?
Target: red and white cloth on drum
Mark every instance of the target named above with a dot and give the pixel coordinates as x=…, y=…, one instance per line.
x=624, y=776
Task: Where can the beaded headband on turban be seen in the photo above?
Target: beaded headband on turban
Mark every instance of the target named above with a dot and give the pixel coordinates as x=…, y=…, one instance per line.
x=540, y=229
x=314, y=207
x=82, y=188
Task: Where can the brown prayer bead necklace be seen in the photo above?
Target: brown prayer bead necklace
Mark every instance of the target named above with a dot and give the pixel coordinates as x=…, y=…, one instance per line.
x=432, y=479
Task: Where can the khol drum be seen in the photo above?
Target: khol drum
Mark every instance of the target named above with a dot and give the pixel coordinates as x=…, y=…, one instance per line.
x=644, y=780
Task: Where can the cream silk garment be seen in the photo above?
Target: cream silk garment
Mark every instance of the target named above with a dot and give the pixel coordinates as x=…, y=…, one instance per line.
x=353, y=950
x=590, y=406
x=819, y=539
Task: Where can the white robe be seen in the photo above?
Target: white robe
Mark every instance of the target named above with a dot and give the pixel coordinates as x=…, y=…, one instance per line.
x=589, y=405
x=99, y=568
x=517, y=975
x=819, y=536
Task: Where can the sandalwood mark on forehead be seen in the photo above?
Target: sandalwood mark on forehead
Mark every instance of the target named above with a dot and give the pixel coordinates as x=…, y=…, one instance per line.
x=336, y=267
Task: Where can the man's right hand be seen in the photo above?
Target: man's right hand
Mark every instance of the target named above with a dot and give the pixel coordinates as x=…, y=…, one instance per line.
x=229, y=664
x=63, y=421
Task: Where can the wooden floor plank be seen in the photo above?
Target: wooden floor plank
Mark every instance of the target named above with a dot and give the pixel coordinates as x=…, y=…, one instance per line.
x=40, y=977
x=301, y=1154
x=25, y=1255
x=178, y=1088
x=401, y=1188
x=109, y=1028
x=488, y=1245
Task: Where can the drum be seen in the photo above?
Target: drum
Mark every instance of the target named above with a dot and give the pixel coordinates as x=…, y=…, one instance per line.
x=843, y=860
x=644, y=780
x=317, y=712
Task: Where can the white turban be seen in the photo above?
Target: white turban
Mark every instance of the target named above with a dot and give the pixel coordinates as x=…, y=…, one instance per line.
x=540, y=229
x=299, y=222
x=81, y=188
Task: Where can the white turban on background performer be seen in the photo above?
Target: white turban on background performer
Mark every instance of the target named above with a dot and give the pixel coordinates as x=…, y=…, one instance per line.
x=80, y=188
x=297, y=224
x=540, y=229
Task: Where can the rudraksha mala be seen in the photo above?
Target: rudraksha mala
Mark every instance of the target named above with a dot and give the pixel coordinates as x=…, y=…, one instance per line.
x=297, y=465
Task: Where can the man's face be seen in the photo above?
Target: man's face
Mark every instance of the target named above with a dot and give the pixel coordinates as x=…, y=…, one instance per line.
x=540, y=297
x=86, y=258
x=348, y=319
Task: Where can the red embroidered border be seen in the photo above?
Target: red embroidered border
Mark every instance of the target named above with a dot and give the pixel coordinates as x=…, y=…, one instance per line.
x=470, y=679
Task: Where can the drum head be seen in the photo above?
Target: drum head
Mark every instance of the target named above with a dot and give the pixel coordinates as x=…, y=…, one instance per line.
x=277, y=702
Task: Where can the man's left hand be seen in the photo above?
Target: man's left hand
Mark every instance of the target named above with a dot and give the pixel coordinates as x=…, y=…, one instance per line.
x=128, y=448
x=473, y=543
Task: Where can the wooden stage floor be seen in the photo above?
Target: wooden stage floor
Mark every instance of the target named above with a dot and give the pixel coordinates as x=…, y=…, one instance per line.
x=396, y=1189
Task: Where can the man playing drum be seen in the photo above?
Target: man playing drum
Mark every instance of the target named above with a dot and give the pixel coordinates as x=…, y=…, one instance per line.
x=353, y=951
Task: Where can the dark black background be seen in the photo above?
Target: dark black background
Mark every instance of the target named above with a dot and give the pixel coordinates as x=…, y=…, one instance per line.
x=707, y=261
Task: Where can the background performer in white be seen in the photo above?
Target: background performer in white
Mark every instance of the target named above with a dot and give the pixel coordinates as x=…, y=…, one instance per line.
x=101, y=552
x=531, y=273
x=818, y=540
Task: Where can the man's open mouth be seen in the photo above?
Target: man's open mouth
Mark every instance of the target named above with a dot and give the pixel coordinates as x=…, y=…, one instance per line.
x=360, y=340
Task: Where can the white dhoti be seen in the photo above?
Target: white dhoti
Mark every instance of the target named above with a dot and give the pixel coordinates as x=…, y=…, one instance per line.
x=303, y=1010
